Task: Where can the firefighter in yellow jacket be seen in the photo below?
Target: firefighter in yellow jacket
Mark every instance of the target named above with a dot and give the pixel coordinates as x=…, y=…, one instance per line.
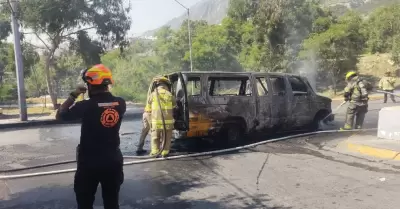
x=162, y=103
x=387, y=84
x=146, y=126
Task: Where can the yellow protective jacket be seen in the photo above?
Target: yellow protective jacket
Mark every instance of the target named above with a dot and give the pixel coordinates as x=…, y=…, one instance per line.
x=356, y=91
x=387, y=83
x=167, y=103
x=147, y=108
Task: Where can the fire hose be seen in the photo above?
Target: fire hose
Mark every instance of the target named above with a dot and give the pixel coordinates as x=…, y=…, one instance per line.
x=146, y=159
x=131, y=157
x=386, y=92
x=335, y=111
x=344, y=102
x=26, y=175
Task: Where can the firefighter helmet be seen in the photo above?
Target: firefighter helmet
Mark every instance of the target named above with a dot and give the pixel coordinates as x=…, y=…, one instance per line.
x=350, y=74
x=97, y=75
x=162, y=80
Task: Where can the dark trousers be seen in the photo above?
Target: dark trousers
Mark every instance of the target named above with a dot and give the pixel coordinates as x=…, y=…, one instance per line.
x=358, y=112
x=391, y=96
x=87, y=180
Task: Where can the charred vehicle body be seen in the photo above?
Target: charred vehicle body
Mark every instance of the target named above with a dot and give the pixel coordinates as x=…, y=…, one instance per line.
x=231, y=104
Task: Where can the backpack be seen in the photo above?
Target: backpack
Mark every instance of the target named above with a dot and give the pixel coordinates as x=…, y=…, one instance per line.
x=367, y=85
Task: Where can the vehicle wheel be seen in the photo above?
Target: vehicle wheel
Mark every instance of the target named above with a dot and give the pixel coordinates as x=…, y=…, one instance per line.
x=233, y=134
x=316, y=123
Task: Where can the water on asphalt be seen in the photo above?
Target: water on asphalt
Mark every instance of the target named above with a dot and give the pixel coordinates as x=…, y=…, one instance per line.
x=290, y=174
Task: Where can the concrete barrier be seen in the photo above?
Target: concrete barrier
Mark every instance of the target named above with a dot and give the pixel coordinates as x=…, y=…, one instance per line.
x=388, y=125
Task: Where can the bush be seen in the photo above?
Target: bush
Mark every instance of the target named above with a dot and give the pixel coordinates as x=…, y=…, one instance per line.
x=8, y=92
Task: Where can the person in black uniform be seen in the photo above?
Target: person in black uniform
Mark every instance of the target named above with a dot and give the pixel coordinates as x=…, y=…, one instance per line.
x=99, y=157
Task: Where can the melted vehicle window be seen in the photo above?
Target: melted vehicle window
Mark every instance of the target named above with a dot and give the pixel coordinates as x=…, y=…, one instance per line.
x=262, y=87
x=278, y=85
x=237, y=86
x=248, y=88
x=297, y=85
x=193, y=86
x=173, y=89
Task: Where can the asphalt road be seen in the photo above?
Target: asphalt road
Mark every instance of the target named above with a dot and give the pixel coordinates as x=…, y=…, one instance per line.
x=291, y=174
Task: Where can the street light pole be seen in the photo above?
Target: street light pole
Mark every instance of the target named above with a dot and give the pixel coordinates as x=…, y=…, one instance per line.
x=190, y=41
x=189, y=33
x=19, y=67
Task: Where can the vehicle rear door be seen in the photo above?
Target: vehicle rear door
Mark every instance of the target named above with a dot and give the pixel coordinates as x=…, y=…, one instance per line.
x=279, y=103
x=299, y=102
x=182, y=112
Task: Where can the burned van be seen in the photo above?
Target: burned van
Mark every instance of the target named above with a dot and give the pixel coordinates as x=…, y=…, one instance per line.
x=231, y=104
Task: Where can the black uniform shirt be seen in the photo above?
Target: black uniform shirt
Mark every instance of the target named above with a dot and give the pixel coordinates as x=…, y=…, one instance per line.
x=101, y=117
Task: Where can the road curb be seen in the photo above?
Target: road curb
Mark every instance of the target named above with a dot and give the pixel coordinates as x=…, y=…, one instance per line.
x=372, y=151
x=35, y=123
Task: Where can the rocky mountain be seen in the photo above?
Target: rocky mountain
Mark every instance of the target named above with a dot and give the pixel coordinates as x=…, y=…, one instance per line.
x=213, y=11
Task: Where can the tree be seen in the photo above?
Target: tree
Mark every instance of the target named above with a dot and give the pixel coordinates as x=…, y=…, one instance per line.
x=396, y=49
x=173, y=46
x=5, y=24
x=337, y=49
x=211, y=50
x=57, y=22
x=383, y=25
x=272, y=31
x=242, y=10
x=7, y=59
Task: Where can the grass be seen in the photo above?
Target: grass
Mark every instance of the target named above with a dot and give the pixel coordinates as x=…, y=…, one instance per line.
x=42, y=101
x=31, y=111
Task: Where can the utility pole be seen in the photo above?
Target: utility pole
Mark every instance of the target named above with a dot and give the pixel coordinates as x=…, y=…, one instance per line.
x=190, y=41
x=189, y=33
x=23, y=115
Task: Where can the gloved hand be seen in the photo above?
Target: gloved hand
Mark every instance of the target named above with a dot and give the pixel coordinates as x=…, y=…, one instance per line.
x=347, y=97
x=80, y=89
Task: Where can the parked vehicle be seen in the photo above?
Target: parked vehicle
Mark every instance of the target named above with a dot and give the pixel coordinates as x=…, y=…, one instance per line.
x=231, y=104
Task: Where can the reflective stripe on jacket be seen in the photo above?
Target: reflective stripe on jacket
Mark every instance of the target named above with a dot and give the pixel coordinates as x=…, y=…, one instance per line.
x=167, y=103
x=387, y=83
x=147, y=108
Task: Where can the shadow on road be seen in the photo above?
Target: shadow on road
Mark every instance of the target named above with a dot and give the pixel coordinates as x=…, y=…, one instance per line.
x=158, y=192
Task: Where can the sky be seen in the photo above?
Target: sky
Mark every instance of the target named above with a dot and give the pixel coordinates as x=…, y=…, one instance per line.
x=145, y=14
x=151, y=14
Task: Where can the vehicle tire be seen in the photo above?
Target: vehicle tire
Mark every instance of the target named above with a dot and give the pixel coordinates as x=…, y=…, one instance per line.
x=233, y=134
x=315, y=125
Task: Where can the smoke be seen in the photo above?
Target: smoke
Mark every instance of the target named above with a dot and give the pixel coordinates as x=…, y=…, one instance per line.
x=309, y=69
x=307, y=66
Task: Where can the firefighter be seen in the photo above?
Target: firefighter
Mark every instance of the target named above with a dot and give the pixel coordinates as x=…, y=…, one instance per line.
x=356, y=93
x=99, y=158
x=146, y=127
x=162, y=104
x=387, y=84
